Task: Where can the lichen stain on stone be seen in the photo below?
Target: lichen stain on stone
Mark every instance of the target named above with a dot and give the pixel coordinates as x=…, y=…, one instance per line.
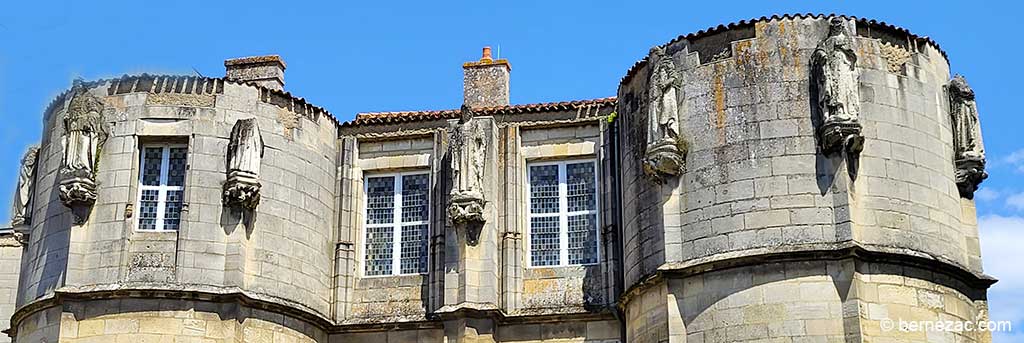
x=289, y=120
x=718, y=87
x=866, y=57
x=789, y=53
x=190, y=100
x=895, y=56
x=114, y=101
x=539, y=286
x=743, y=52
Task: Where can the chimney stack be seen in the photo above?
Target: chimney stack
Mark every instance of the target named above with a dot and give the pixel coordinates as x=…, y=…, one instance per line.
x=266, y=71
x=485, y=82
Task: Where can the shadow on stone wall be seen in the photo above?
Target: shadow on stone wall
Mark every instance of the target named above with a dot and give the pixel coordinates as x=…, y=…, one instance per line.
x=231, y=218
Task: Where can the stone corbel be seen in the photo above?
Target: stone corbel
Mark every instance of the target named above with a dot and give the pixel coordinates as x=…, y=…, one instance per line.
x=466, y=207
x=970, y=172
x=838, y=136
x=242, y=189
x=665, y=159
x=76, y=191
x=245, y=152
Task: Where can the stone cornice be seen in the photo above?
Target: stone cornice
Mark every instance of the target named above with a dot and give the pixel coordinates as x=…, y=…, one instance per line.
x=809, y=252
x=282, y=306
x=178, y=292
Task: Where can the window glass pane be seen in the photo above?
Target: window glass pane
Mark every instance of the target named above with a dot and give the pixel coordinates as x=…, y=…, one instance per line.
x=147, y=209
x=579, y=181
x=380, y=200
x=583, y=239
x=544, y=189
x=378, y=250
x=414, y=198
x=176, y=165
x=152, y=158
x=414, y=248
x=172, y=210
x=544, y=241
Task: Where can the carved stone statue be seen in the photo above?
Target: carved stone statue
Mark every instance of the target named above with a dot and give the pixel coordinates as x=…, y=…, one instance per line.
x=22, y=202
x=84, y=134
x=968, y=151
x=665, y=151
x=834, y=73
x=467, y=150
x=245, y=150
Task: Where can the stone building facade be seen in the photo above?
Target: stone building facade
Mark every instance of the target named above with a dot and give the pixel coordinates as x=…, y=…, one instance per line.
x=786, y=179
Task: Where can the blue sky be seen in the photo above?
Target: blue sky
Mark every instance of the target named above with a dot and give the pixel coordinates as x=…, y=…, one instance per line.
x=378, y=55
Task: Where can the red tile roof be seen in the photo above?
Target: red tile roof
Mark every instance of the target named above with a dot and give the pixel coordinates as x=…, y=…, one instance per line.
x=379, y=118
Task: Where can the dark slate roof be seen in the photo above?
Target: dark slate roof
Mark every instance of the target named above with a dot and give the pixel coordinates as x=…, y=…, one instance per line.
x=745, y=23
x=377, y=118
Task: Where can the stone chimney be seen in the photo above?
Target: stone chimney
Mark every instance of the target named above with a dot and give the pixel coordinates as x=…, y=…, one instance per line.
x=485, y=82
x=266, y=71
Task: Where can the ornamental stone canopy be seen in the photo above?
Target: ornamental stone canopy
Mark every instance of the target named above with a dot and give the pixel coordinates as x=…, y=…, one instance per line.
x=792, y=178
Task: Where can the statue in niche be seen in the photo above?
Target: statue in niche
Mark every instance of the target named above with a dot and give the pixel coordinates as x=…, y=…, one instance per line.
x=245, y=151
x=84, y=135
x=22, y=201
x=968, y=151
x=665, y=151
x=834, y=73
x=467, y=151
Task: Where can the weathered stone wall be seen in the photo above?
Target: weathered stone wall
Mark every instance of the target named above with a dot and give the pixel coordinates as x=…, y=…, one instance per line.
x=757, y=184
x=598, y=331
x=816, y=300
x=282, y=252
x=10, y=267
x=145, y=320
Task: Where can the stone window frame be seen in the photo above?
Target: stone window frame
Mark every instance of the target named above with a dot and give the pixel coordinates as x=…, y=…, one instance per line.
x=162, y=188
x=396, y=248
x=563, y=213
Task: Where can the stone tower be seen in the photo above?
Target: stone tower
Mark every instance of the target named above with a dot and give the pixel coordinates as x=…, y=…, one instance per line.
x=819, y=196
x=794, y=178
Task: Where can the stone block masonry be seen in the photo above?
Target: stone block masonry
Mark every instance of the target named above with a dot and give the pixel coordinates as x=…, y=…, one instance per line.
x=739, y=188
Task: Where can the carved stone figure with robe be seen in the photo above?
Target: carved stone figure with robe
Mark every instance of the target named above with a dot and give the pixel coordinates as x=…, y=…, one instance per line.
x=245, y=152
x=834, y=73
x=467, y=151
x=84, y=135
x=665, y=149
x=968, y=150
x=22, y=201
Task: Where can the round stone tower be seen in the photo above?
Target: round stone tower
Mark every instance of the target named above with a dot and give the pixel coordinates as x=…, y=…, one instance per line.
x=798, y=176
x=122, y=249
